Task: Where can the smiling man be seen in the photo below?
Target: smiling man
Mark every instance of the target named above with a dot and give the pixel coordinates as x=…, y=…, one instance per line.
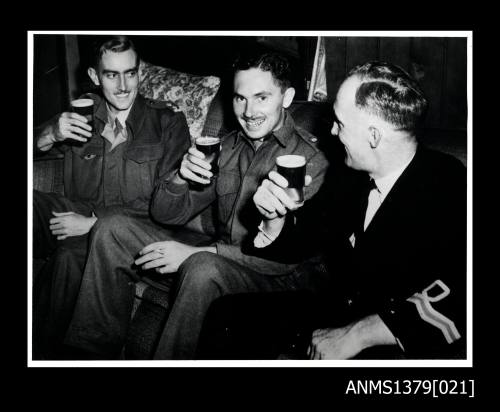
x=262, y=93
x=111, y=169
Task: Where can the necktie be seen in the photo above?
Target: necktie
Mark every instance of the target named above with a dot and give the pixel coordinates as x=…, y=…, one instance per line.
x=119, y=134
x=367, y=187
x=118, y=128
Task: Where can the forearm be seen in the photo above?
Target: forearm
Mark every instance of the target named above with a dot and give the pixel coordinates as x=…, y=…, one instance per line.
x=174, y=202
x=44, y=137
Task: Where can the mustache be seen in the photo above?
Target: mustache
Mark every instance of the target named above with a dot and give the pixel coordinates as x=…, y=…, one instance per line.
x=253, y=117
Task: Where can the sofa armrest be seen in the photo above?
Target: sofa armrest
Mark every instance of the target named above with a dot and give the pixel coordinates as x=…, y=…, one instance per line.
x=48, y=171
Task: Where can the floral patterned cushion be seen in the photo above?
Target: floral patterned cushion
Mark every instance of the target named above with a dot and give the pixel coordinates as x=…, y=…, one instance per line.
x=190, y=93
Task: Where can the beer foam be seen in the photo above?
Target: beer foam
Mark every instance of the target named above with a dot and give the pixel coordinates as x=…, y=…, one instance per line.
x=82, y=102
x=207, y=141
x=291, y=161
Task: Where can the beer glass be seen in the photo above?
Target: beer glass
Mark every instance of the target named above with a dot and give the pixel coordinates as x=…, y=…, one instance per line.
x=85, y=108
x=210, y=147
x=293, y=169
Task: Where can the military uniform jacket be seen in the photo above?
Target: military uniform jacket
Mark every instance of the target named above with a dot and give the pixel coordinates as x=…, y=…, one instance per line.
x=124, y=178
x=241, y=171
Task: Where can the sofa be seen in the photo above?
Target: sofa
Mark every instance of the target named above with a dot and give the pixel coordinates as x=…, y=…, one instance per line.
x=208, y=110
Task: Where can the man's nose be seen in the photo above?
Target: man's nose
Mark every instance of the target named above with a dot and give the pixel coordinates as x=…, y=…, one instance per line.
x=122, y=84
x=248, y=110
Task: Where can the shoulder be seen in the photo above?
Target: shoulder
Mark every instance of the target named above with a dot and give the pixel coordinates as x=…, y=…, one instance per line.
x=229, y=137
x=162, y=105
x=308, y=138
x=168, y=113
x=440, y=165
x=308, y=145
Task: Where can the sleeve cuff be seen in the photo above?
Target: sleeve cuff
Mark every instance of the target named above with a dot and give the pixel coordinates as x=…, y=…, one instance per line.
x=263, y=238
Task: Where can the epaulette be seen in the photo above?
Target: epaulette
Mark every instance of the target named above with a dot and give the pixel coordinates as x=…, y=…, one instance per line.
x=163, y=104
x=308, y=137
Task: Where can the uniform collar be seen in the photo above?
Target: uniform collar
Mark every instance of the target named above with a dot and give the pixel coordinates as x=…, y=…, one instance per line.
x=122, y=116
x=135, y=116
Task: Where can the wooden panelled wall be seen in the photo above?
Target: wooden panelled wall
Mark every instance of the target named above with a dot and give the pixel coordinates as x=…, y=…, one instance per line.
x=440, y=65
x=49, y=77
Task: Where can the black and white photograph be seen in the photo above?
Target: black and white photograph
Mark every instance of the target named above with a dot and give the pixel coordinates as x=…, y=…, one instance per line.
x=250, y=199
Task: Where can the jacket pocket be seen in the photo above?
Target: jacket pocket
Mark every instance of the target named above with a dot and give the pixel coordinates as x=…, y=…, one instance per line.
x=228, y=185
x=86, y=172
x=140, y=170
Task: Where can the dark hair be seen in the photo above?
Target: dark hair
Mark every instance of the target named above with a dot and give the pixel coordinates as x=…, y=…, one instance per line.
x=389, y=92
x=268, y=61
x=115, y=44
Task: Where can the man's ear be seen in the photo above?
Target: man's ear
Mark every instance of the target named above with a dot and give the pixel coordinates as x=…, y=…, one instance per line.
x=375, y=136
x=93, y=76
x=288, y=97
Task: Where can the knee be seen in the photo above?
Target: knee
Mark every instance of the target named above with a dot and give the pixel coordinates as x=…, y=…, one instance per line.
x=109, y=227
x=202, y=269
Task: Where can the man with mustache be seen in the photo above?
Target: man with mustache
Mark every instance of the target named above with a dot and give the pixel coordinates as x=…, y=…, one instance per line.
x=111, y=169
x=262, y=92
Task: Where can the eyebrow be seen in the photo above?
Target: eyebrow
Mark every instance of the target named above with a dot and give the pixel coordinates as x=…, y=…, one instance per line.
x=259, y=94
x=133, y=69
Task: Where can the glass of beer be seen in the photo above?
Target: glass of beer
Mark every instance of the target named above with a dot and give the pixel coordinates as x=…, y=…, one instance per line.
x=85, y=108
x=210, y=147
x=293, y=169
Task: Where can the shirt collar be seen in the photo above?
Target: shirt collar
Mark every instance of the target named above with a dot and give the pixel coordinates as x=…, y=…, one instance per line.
x=121, y=116
x=385, y=184
x=282, y=135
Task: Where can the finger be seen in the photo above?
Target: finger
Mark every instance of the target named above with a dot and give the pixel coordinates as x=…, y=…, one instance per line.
x=78, y=130
x=154, y=263
x=58, y=225
x=79, y=120
x=74, y=136
x=196, y=153
x=272, y=204
x=61, y=237
x=148, y=257
x=282, y=196
x=165, y=269
x=308, y=180
x=266, y=208
x=197, y=169
x=62, y=213
x=318, y=333
x=278, y=179
x=267, y=214
x=188, y=174
x=309, y=351
x=193, y=160
x=151, y=247
x=313, y=351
